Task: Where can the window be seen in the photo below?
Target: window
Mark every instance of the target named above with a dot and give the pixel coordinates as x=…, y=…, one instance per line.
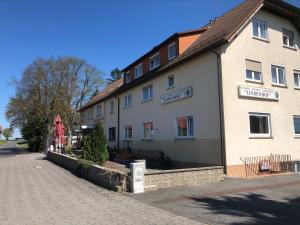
x=260, y=29
x=288, y=38
x=172, y=51
x=128, y=100
x=297, y=125
x=148, y=131
x=259, y=125
x=111, y=106
x=98, y=111
x=148, y=93
x=138, y=70
x=253, y=71
x=278, y=76
x=185, y=126
x=127, y=77
x=154, y=62
x=90, y=115
x=128, y=132
x=297, y=79
x=171, y=81
x=112, y=134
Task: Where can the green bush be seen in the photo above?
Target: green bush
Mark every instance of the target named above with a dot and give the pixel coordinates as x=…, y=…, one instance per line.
x=83, y=166
x=95, y=146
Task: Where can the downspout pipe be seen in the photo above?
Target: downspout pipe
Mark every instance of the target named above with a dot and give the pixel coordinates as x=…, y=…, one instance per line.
x=118, y=125
x=221, y=110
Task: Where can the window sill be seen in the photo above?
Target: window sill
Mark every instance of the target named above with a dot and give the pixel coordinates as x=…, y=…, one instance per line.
x=169, y=59
x=147, y=139
x=147, y=100
x=184, y=138
x=261, y=39
x=260, y=137
x=171, y=87
x=150, y=69
x=280, y=85
x=127, y=107
x=254, y=81
x=289, y=47
x=297, y=88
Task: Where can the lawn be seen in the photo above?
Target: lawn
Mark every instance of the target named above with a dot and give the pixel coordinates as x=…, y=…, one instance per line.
x=2, y=142
x=24, y=145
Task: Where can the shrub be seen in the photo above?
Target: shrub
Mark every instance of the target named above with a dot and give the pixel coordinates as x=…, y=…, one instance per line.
x=95, y=146
x=83, y=166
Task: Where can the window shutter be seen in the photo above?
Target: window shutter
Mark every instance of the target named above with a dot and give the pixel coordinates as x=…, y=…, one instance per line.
x=253, y=66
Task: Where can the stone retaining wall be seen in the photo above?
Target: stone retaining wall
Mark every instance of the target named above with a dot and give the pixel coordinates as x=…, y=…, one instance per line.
x=181, y=177
x=105, y=177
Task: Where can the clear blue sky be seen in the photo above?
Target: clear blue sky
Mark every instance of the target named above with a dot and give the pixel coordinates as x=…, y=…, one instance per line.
x=107, y=34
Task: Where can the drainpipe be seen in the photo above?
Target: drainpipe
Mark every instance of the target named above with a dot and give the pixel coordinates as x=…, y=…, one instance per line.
x=221, y=111
x=118, y=125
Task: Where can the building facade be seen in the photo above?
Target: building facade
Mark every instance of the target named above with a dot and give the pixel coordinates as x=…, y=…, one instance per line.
x=214, y=95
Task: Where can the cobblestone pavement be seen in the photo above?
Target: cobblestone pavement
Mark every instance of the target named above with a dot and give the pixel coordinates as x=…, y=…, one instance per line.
x=35, y=191
x=268, y=200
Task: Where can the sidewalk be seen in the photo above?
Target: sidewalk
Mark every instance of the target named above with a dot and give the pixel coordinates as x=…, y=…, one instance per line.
x=268, y=200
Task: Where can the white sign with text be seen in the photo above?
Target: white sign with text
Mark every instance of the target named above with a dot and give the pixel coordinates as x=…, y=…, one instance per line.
x=177, y=95
x=255, y=92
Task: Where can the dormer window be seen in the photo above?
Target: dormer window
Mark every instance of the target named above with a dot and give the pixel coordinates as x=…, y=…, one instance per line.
x=154, y=61
x=127, y=77
x=172, y=51
x=138, y=70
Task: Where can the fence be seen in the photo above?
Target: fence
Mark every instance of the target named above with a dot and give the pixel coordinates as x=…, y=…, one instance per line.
x=256, y=166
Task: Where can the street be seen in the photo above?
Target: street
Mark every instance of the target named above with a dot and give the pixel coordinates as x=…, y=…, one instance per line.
x=35, y=191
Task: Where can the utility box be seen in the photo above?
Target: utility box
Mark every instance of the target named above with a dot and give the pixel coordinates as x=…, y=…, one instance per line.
x=137, y=177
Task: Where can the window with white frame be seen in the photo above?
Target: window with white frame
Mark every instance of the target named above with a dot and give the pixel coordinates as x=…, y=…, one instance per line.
x=172, y=51
x=260, y=29
x=128, y=100
x=259, y=125
x=112, y=107
x=148, y=131
x=253, y=71
x=127, y=77
x=288, y=38
x=185, y=126
x=297, y=79
x=128, y=132
x=98, y=110
x=296, y=120
x=138, y=70
x=154, y=61
x=148, y=93
x=171, y=81
x=278, y=75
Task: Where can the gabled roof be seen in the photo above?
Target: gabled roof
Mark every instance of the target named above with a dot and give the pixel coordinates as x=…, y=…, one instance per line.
x=109, y=89
x=219, y=32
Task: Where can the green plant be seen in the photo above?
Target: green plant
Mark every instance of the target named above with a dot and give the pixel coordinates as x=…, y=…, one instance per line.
x=69, y=150
x=95, y=146
x=83, y=166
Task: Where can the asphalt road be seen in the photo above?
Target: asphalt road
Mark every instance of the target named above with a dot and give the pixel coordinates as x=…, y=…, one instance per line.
x=37, y=192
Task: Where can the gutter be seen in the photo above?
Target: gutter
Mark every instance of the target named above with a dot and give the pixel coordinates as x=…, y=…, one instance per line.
x=118, y=128
x=221, y=111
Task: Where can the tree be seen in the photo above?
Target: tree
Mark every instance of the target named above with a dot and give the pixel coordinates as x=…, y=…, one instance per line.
x=7, y=133
x=115, y=75
x=95, y=146
x=49, y=87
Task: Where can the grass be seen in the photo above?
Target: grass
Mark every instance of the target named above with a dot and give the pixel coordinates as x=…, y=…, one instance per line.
x=25, y=145
x=2, y=142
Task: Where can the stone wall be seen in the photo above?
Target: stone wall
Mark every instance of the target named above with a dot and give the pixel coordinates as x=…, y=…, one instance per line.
x=111, y=179
x=181, y=177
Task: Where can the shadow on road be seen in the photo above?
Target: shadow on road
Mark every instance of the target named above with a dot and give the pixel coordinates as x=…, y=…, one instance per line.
x=257, y=208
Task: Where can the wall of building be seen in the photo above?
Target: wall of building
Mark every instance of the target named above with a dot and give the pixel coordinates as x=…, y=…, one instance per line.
x=236, y=109
x=204, y=148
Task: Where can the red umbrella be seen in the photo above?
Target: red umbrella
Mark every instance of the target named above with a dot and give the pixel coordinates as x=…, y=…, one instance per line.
x=59, y=131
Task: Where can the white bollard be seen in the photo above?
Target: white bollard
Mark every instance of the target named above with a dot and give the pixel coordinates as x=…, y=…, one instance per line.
x=137, y=177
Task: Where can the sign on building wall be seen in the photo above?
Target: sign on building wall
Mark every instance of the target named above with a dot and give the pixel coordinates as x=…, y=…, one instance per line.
x=262, y=93
x=177, y=95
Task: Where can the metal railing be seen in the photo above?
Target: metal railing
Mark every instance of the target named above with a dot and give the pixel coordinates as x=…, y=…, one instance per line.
x=262, y=165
